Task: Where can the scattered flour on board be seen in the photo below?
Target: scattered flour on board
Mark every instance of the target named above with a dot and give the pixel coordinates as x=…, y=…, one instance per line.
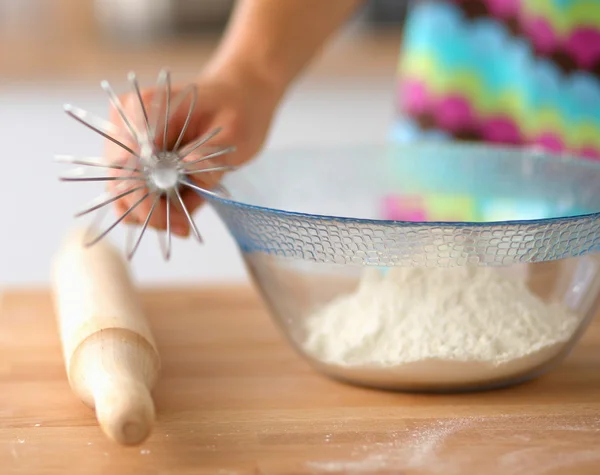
x=438, y=326
x=408, y=450
x=519, y=446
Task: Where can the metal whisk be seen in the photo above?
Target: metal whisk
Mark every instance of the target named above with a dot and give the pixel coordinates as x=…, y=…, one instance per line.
x=156, y=171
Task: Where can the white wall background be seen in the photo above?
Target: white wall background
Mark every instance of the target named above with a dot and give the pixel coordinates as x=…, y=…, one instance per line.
x=36, y=209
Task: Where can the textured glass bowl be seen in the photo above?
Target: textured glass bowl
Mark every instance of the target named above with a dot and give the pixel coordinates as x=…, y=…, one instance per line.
x=310, y=223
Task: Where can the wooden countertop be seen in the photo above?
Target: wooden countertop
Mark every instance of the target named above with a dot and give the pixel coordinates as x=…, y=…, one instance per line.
x=235, y=399
x=59, y=60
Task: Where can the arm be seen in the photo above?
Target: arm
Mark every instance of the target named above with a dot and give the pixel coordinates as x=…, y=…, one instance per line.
x=273, y=40
x=266, y=45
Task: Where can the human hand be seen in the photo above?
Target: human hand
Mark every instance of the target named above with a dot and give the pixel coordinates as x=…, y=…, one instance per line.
x=242, y=106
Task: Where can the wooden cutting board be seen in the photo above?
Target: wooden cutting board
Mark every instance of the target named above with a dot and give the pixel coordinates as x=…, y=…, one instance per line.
x=235, y=399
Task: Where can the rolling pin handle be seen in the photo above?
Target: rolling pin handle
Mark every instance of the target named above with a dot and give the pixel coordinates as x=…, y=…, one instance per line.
x=124, y=410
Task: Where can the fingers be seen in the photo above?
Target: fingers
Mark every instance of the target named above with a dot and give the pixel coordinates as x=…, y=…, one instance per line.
x=186, y=122
x=219, y=153
x=132, y=118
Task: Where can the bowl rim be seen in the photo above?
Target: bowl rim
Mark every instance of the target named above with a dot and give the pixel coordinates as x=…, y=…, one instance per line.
x=534, y=151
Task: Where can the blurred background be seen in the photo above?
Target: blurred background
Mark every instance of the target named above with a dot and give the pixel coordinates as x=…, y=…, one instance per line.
x=58, y=51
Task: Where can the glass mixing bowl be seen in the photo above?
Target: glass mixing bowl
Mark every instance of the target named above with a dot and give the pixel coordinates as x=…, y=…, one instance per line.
x=423, y=267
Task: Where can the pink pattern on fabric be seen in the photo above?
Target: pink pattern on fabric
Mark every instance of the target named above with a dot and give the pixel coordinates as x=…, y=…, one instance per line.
x=398, y=208
x=453, y=113
x=541, y=34
x=414, y=97
x=584, y=45
x=590, y=152
x=550, y=142
x=504, y=8
x=501, y=130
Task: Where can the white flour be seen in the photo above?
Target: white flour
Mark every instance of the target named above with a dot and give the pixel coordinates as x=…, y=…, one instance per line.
x=429, y=326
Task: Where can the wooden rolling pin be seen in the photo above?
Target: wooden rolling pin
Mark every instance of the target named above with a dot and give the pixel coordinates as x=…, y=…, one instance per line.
x=109, y=352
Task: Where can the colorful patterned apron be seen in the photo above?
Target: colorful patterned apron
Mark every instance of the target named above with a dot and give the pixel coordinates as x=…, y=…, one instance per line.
x=506, y=71
x=520, y=72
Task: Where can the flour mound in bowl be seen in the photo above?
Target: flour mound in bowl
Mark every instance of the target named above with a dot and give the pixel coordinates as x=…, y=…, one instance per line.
x=438, y=325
